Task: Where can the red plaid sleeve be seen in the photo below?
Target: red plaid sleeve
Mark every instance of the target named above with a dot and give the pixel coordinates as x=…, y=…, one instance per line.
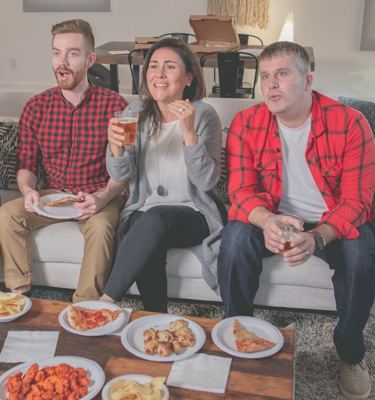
x=27, y=145
x=357, y=181
x=248, y=173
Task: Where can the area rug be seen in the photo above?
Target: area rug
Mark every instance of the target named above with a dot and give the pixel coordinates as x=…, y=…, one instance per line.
x=316, y=359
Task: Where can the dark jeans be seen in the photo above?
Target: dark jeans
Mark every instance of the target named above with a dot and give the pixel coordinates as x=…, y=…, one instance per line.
x=142, y=252
x=240, y=265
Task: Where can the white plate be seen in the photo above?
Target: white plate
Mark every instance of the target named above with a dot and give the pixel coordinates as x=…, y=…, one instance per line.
x=56, y=212
x=131, y=377
x=132, y=337
x=23, y=311
x=95, y=372
x=103, y=330
x=222, y=335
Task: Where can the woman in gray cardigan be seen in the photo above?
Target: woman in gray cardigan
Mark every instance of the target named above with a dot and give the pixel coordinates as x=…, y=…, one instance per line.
x=172, y=172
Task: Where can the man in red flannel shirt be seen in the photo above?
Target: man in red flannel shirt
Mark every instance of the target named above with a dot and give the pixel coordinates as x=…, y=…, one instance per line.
x=66, y=129
x=300, y=156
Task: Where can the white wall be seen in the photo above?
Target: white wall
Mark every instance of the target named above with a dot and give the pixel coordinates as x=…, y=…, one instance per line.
x=332, y=27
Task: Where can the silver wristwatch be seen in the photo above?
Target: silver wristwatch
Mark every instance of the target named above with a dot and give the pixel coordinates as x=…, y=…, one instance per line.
x=320, y=240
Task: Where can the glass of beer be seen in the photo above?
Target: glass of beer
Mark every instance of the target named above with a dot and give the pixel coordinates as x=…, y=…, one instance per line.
x=288, y=231
x=127, y=120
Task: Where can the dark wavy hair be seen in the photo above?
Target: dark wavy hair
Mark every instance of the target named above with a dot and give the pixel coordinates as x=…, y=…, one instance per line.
x=195, y=91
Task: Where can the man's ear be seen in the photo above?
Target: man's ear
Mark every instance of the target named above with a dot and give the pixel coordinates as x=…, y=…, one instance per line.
x=309, y=80
x=91, y=60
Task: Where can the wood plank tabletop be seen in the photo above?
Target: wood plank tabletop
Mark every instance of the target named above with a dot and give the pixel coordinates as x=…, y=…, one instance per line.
x=266, y=379
x=105, y=57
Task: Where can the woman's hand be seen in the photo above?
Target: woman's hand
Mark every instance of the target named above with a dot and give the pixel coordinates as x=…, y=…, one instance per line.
x=115, y=138
x=185, y=112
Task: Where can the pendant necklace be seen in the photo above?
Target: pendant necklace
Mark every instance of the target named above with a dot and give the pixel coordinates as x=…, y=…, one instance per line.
x=161, y=190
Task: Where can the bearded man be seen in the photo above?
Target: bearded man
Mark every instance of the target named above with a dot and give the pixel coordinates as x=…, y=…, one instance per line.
x=65, y=128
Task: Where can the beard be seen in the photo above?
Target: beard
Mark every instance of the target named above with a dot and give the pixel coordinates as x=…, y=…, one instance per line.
x=71, y=78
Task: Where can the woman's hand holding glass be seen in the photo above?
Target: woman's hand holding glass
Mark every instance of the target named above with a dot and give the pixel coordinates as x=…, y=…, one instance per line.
x=115, y=138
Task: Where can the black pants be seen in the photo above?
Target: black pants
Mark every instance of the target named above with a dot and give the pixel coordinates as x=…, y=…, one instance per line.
x=240, y=265
x=142, y=252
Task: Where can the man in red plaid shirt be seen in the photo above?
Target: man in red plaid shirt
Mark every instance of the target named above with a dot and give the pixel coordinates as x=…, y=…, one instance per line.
x=300, y=156
x=66, y=129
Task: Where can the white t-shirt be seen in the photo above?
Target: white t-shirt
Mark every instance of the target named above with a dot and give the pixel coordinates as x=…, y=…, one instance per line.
x=165, y=165
x=300, y=194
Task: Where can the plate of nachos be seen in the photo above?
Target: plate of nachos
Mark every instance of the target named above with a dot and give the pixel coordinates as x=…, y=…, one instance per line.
x=135, y=386
x=13, y=305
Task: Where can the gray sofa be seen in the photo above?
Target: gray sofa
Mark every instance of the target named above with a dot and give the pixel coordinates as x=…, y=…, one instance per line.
x=58, y=249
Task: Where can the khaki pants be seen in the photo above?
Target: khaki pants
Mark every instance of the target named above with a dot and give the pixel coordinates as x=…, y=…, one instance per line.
x=16, y=225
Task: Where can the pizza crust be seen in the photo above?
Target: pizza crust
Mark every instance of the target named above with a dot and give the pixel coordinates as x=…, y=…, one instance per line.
x=70, y=315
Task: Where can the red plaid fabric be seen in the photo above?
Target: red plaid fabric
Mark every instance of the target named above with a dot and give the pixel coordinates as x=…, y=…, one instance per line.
x=69, y=140
x=340, y=154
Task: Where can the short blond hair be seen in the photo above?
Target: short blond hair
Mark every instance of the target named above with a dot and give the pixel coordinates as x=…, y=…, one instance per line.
x=76, y=26
x=299, y=53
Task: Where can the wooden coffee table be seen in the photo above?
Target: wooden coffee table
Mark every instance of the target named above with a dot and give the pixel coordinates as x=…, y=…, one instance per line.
x=267, y=378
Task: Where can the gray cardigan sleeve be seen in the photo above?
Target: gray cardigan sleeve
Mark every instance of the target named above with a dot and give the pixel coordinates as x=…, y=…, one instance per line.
x=203, y=159
x=121, y=168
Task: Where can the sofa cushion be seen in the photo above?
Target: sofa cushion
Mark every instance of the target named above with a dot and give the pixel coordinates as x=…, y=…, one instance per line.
x=8, y=155
x=61, y=242
x=184, y=263
x=367, y=108
x=313, y=273
x=50, y=245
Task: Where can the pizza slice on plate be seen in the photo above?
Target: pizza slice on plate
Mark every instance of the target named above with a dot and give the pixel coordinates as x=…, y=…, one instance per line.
x=88, y=318
x=64, y=201
x=247, y=342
